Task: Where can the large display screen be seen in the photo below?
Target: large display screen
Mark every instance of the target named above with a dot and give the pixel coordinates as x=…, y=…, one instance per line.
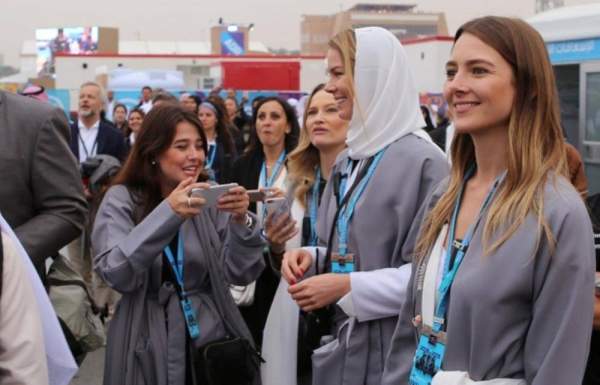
x=66, y=41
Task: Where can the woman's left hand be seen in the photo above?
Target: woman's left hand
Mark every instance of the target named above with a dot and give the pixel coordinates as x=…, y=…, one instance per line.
x=273, y=192
x=321, y=290
x=278, y=233
x=236, y=202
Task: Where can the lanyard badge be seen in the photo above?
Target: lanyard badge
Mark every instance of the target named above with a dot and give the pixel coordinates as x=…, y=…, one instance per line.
x=432, y=341
x=208, y=167
x=342, y=262
x=428, y=359
x=186, y=304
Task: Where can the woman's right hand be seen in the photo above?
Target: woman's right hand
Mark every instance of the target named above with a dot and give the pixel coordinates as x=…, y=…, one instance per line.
x=295, y=264
x=181, y=202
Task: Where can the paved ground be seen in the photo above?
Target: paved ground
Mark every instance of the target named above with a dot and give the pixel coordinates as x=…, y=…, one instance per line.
x=92, y=369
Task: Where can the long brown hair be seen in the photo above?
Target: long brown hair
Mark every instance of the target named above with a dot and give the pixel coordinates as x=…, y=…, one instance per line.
x=535, y=142
x=128, y=129
x=305, y=159
x=223, y=135
x=140, y=174
x=291, y=139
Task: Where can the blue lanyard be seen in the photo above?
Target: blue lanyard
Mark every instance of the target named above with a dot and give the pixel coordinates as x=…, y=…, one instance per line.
x=347, y=211
x=177, y=266
x=313, y=207
x=186, y=305
x=211, y=155
x=270, y=182
x=461, y=247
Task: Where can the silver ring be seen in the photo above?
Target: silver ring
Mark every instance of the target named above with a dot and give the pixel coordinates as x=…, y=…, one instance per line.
x=189, y=202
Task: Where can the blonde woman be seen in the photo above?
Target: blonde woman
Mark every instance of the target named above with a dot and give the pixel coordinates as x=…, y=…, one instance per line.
x=323, y=138
x=504, y=285
x=377, y=186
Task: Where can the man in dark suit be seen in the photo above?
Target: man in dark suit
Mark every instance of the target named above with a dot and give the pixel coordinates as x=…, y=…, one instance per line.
x=90, y=136
x=41, y=196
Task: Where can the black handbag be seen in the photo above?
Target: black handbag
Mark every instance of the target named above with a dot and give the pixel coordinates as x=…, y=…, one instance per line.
x=226, y=361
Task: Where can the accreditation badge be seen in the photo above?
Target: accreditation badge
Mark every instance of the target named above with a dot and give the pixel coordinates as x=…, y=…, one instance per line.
x=342, y=265
x=190, y=318
x=429, y=355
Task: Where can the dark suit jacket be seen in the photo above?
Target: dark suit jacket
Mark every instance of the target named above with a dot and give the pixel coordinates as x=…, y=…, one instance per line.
x=41, y=195
x=225, y=164
x=246, y=172
x=110, y=141
x=438, y=135
x=238, y=139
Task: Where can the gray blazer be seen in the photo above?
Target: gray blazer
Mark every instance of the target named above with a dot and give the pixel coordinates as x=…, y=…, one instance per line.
x=41, y=194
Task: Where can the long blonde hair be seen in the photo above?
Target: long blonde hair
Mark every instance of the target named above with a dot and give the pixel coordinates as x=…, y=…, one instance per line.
x=535, y=141
x=305, y=159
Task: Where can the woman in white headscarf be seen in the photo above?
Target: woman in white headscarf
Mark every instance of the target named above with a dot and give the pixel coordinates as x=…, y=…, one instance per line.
x=374, y=193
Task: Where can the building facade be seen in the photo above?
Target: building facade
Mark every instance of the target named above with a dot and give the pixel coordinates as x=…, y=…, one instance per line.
x=404, y=21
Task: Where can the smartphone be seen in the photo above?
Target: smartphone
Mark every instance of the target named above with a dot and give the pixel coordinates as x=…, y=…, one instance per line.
x=280, y=206
x=256, y=196
x=212, y=194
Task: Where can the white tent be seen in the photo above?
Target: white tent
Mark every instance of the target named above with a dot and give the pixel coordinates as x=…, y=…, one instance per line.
x=568, y=23
x=21, y=77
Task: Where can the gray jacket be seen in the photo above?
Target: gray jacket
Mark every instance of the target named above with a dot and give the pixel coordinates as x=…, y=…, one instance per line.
x=147, y=339
x=41, y=194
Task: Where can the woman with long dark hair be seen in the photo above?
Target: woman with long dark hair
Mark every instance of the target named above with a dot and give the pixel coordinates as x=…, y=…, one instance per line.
x=236, y=134
x=264, y=166
x=221, y=151
x=119, y=115
x=147, y=218
x=134, y=124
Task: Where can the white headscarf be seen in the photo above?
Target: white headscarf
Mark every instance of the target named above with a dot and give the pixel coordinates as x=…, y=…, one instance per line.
x=386, y=92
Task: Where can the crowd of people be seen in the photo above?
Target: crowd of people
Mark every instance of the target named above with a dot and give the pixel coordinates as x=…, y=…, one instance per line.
x=418, y=246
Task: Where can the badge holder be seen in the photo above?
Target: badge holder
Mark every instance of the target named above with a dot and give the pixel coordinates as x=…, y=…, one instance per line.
x=190, y=317
x=342, y=264
x=429, y=355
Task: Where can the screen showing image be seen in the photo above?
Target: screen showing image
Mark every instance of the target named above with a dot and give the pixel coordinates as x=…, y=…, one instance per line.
x=64, y=41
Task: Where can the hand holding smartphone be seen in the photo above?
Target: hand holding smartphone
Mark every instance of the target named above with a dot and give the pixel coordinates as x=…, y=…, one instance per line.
x=212, y=195
x=280, y=207
x=256, y=195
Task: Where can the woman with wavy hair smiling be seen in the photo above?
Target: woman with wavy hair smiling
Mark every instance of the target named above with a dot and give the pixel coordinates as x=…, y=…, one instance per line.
x=504, y=285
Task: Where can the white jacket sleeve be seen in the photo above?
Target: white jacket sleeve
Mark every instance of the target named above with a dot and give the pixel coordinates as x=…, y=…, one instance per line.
x=22, y=351
x=376, y=294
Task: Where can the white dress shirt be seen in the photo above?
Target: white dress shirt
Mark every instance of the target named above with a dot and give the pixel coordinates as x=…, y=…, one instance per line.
x=146, y=106
x=88, y=140
x=110, y=106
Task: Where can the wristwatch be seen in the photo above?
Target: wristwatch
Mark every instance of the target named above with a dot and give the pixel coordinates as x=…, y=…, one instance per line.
x=597, y=286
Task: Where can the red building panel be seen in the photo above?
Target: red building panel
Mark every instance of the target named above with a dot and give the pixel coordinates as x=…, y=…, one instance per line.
x=267, y=76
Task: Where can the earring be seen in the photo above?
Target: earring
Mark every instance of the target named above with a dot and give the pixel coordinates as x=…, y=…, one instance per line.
x=153, y=162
